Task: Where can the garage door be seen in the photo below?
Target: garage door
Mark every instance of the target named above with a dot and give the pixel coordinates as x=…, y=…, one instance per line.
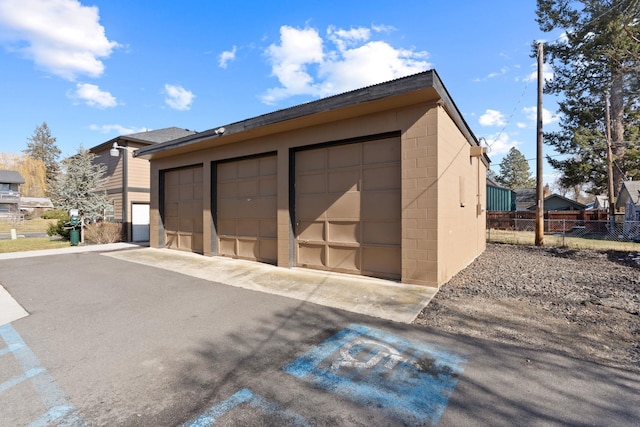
x=246, y=209
x=347, y=206
x=183, y=209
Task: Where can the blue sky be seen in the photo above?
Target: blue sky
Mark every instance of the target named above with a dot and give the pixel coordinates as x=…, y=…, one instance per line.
x=96, y=69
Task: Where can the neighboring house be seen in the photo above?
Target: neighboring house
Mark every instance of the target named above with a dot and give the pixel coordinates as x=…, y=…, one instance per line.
x=385, y=181
x=127, y=179
x=499, y=198
x=629, y=200
x=35, y=204
x=10, y=194
x=556, y=202
x=525, y=197
x=600, y=203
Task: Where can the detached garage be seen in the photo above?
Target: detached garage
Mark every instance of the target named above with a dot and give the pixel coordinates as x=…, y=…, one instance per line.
x=386, y=181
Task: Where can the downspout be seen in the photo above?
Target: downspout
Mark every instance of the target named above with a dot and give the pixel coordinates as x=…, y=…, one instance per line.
x=125, y=194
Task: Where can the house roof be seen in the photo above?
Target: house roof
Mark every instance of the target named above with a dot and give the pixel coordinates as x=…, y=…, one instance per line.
x=417, y=88
x=569, y=202
x=630, y=189
x=36, y=202
x=11, y=177
x=525, y=195
x=148, y=137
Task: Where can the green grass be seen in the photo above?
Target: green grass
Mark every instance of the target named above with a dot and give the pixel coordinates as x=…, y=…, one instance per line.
x=27, y=226
x=30, y=244
x=528, y=238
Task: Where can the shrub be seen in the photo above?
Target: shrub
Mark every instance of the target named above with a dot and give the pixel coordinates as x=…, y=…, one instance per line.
x=55, y=214
x=103, y=232
x=60, y=228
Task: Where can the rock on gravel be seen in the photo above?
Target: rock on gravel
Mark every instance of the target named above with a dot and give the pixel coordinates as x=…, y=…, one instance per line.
x=582, y=303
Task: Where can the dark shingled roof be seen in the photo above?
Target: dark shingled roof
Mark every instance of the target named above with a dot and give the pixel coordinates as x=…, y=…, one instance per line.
x=160, y=135
x=10, y=177
x=414, y=83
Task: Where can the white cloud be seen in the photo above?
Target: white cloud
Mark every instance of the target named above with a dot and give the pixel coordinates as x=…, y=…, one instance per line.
x=547, y=73
x=492, y=118
x=227, y=56
x=500, y=144
x=494, y=74
x=304, y=65
x=62, y=37
x=547, y=116
x=178, y=97
x=121, y=130
x=93, y=96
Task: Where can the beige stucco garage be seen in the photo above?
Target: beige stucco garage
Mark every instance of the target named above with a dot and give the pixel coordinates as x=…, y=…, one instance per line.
x=385, y=181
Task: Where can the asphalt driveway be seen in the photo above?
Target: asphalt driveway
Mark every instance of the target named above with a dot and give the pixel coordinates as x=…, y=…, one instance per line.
x=112, y=342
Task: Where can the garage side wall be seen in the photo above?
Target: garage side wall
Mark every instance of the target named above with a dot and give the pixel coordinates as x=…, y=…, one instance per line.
x=461, y=200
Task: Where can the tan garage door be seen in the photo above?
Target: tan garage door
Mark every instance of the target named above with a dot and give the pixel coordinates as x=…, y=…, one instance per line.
x=347, y=205
x=246, y=209
x=183, y=209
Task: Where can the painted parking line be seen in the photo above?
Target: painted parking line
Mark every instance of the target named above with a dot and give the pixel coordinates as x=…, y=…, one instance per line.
x=211, y=415
x=411, y=381
x=58, y=407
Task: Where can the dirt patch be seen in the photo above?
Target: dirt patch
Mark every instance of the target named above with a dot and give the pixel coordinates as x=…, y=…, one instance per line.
x=581, y=303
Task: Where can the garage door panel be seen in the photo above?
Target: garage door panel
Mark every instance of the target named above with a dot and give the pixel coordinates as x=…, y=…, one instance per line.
x=311, y=207
x=381, y=178
x=268, y=249
x=248, y=249
x=382, y=151
x=248, y=188
x=268, y=187
x=227, y=172
x=186, y=176
x=344, y=181
x=268, y=228
x=171, y=209
x=226, y=226
x=227, y=246
x=381, y=205
x=343, y=258
x=313, y=231
x=384, y=260
x=247, y=228
x=309, y=161
x=186, y=192
x=186, y=225
x=268, y=166
x=248, y=168
x=311, y=255
x=345, y=156
x=311, y=184
x=345, y=206
x=382, y=233
x=343, y=232
x=172, y=194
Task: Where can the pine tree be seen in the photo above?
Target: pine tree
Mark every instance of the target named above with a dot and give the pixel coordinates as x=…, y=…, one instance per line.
x=80, y=185
x=598, y=56
x=514, y=171
x=42, y=146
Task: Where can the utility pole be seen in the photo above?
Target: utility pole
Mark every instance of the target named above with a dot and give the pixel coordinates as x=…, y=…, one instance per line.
x=539, y=239
x=612, y=201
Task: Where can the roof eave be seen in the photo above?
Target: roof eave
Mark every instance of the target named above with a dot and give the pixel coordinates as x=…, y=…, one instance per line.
x=426, y=85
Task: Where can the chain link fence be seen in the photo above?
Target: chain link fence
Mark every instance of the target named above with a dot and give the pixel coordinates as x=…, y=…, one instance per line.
x=567, y=233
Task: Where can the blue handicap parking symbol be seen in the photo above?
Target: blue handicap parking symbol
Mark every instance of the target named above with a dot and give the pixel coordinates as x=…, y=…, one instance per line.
x=411, y=381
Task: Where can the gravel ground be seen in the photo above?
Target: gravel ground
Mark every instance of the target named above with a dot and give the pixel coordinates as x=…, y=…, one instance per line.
x=582, y=303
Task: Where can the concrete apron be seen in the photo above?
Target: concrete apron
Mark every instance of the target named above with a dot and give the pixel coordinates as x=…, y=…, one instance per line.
x=365, y=295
